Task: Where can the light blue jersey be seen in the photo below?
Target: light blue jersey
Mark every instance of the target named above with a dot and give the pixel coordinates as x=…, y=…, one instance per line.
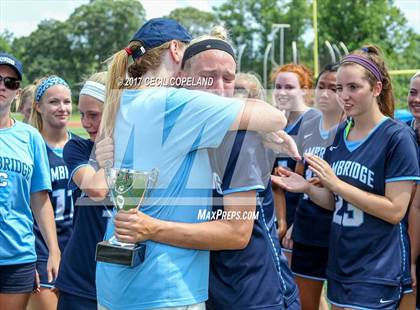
x=167, y=129
x=24, y=169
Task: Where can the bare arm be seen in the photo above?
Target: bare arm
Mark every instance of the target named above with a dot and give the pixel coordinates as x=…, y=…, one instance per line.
x=44, y=216
x=224, y=234
x=92, y=182
x=260, y=116
x=280, y=207
x=390, y=208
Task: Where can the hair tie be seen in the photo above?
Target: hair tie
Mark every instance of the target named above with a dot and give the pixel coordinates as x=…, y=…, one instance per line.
x=365, y=49
x=129, y=51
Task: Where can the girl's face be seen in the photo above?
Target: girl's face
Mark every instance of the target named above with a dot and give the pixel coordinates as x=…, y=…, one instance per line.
x=55, y=106
x=354, y=91
x=325, y=93
x=7, y=95
x=90, y=115
x=287, y=92
x=219, y=66
x=413, y=98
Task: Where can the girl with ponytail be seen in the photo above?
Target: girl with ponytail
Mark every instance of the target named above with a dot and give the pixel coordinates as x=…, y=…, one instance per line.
x=168, y=129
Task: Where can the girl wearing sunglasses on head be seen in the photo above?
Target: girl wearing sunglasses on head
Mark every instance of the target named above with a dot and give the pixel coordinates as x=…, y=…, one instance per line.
x=24, y=186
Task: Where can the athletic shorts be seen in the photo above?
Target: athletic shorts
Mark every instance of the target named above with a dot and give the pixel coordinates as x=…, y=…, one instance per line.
x=41, y=267
x=358, y=295
x=70, y=302
x=286, y=250
x=17, y=279
x=309, y=261
x=200, y=306
x=407, y=288
x=294, y=305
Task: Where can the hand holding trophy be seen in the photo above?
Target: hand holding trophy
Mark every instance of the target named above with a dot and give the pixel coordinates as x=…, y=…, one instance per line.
x=128, y=188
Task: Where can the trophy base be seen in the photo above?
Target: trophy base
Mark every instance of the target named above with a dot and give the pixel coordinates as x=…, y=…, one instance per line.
x=129, y=256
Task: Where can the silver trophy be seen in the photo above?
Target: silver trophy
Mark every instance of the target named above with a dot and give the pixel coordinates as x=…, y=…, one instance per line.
x=128, y=189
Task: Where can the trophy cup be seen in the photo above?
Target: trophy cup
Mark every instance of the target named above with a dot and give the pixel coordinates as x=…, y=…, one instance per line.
x=128, y=190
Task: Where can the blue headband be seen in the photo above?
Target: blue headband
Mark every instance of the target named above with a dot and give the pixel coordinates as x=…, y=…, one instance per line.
x=47, y=83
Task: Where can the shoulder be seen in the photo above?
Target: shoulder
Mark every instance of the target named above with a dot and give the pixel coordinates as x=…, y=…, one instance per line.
x=312, y=114
x=74, y=136
x=26, y=128
x=78, y=144
x=397, y=129
x=310, y=120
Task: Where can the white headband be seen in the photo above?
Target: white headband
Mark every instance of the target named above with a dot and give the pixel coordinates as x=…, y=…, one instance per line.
x=96, y=90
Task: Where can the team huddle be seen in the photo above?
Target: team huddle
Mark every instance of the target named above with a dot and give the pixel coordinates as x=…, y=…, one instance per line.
x=312, y=201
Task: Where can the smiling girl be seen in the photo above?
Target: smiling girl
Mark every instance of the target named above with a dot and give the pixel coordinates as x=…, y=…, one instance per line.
x=292, y=83
x=51, y=112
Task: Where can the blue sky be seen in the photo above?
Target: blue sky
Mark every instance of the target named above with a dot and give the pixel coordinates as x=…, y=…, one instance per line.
x=21, y=17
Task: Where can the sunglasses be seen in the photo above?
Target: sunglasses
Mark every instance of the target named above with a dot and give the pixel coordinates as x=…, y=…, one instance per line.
x=10, y=83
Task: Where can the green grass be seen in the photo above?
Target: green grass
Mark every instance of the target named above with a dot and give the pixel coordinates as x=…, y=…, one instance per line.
x=80, y=132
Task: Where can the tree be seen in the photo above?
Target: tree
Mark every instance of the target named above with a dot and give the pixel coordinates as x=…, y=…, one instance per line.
x=195, y=21
x=46, y=51
x=78, y=46
x=101, y=28
x=6, y=38
x=250, y=22
x=360, y=22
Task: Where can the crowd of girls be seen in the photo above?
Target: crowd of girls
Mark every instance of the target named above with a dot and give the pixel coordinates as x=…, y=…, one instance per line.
x=347, y=208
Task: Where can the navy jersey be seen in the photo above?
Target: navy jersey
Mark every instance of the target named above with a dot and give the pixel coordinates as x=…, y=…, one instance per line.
x=292, y=199
x=364, y=248
x=62, y=203
x=312, y=223
x=252, y=277
x=77, y=268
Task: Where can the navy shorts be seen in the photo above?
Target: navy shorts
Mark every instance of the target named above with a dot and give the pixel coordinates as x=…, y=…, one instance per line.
x=70, y=302
x=309, y=261
x=407, y=288
x=41, y=267
x=17, y=279
x=294, y=305
x=286, y=250
x=358, y=295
